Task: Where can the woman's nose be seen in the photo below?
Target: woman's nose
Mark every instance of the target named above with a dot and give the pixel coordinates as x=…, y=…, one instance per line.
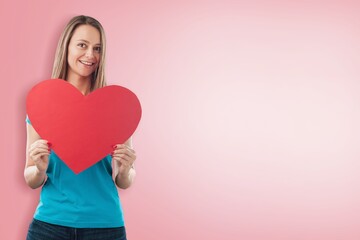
x=89, y=53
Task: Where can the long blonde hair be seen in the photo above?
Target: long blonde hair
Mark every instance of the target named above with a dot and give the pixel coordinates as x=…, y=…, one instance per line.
x=60, y=66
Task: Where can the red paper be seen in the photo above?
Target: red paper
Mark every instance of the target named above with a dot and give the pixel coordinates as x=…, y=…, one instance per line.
x=82, y=129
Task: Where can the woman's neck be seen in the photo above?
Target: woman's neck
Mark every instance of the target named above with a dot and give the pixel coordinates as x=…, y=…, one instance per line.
x=82, y=84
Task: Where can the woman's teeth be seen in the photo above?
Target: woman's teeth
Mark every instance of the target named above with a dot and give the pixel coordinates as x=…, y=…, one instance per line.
x=87, y=63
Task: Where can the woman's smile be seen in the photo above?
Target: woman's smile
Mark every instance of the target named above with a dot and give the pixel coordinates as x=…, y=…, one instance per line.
x=87, y=63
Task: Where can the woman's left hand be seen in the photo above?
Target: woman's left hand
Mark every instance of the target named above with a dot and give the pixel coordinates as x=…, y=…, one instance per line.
x=124, y=157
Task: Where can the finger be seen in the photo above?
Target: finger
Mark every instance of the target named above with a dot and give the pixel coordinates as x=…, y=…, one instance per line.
x=39, y=150
x=125, y=162
x=38, y=145
x=124, y=146
x=42, y=147
x=43, y=142
x=46, y=144
x=38, y=157
x=116, y=159
x=125, y=157
x=119, y=155
x=118, y=146
x=43, y=154
x=129, y=152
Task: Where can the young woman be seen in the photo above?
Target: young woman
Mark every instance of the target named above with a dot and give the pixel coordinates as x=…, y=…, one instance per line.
x=83, y=206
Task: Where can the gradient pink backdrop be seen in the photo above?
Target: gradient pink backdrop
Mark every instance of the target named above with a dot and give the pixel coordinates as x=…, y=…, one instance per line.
x=251, y=114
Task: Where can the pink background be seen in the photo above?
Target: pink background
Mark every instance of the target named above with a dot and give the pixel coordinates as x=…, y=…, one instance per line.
x=251, y=114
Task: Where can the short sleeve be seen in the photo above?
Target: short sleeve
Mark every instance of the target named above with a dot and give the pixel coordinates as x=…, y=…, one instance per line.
x=27, y=119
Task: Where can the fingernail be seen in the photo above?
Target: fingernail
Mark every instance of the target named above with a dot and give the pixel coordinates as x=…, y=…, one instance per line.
x=115, y=146
x=49, y=144
x=113, y=152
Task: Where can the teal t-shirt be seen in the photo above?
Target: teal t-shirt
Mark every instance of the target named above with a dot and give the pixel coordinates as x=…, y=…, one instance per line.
x=86, y=200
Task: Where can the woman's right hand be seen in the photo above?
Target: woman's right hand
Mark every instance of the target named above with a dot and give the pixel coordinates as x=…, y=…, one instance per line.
x=39, y=152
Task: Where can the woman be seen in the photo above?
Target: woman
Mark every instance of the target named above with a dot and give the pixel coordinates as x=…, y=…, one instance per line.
x=86, y=205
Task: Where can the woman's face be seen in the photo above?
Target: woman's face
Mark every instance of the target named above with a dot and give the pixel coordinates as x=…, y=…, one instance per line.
x=84, y=51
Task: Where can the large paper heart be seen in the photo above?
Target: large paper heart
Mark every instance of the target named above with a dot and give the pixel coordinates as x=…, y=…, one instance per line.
x=82, y=129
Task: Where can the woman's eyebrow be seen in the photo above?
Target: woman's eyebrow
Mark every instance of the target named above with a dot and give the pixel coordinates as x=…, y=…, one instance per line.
x=87, y=41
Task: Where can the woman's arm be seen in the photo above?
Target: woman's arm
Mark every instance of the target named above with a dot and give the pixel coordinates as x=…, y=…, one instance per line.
x=124, y=170
x=35, y=172
x=125, y=180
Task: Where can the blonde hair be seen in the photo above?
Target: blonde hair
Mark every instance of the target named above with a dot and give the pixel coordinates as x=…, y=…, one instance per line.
x=60, y=66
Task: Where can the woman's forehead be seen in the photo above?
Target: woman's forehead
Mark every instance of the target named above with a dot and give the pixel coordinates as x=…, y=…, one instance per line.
x=87, y=34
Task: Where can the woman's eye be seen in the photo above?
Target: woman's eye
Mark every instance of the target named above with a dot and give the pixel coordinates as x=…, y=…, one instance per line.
x=98, y=49
x=81, y=44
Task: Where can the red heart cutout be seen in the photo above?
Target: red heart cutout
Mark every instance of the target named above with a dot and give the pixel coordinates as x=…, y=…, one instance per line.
x=82, y=129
